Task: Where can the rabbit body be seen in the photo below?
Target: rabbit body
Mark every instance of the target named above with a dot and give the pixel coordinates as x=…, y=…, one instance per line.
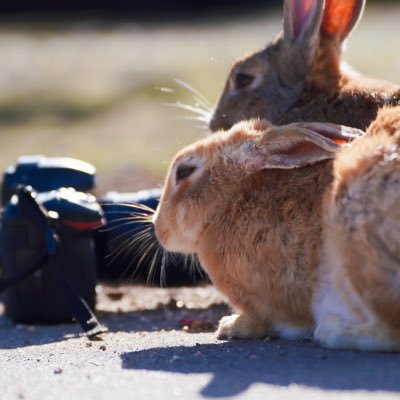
x=357, y=304
x=262, y=251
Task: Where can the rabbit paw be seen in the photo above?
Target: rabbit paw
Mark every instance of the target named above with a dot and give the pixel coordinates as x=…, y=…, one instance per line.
x=241, y=327
x=335, y=333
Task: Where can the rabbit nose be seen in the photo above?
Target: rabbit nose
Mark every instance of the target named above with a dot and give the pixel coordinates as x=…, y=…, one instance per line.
x=218, y=123
x=213, y=124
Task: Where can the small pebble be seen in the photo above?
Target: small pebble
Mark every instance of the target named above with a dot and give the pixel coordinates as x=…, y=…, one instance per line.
x=58, y=371
x=174, y=359
x=115, y=296
x=88, y=344
x=103, y=347
x=180, y=304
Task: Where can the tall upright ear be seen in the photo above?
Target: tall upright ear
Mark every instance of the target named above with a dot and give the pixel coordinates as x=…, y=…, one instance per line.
x=302, y=20
x=341, y=17
x=293, y=146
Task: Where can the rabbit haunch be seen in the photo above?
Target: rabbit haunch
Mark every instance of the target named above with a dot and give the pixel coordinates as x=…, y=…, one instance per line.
x=358, y=300
x=300, y=77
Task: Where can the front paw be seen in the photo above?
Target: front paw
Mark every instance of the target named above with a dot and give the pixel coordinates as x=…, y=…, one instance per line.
x=241, y=327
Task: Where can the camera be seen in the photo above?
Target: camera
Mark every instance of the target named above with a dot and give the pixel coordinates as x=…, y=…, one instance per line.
x=41, y=195
x=45, y=284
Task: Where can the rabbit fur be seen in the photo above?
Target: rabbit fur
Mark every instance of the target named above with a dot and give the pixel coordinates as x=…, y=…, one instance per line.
x=300, y=77
x=357, y=303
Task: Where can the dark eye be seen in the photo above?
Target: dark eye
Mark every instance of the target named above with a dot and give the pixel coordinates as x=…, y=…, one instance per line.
x=243, y=80
x=184, y=171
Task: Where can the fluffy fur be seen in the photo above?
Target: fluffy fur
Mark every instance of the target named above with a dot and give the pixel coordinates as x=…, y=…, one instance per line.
x=357, y=304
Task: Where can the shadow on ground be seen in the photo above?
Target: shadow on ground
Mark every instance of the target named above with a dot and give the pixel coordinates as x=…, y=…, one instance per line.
x=164, y=318
x=237, y=365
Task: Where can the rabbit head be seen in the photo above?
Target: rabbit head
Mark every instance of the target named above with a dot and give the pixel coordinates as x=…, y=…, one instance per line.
x=243, y=201
x=208, y=172
x=298, y=67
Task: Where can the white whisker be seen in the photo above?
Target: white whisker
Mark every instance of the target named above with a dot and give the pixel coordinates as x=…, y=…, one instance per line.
x=195, y=110
x=194, y=118
x=195, y=91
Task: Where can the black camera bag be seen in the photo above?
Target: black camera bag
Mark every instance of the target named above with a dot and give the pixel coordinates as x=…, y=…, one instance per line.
x=48, y=256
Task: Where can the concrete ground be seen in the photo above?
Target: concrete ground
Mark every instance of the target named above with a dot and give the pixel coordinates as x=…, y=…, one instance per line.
x=159, y=347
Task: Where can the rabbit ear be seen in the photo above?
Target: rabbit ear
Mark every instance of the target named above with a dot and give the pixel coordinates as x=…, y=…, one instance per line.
x=341, y=16
x=302, y=20
x=295, y=146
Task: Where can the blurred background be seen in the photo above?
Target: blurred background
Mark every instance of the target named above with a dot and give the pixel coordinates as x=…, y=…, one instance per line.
x=95, y=79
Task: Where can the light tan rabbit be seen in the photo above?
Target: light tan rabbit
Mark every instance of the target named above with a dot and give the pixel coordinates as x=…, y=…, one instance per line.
x=357, y=304
x=299, y=76
x=248, y=202
x=253, y=204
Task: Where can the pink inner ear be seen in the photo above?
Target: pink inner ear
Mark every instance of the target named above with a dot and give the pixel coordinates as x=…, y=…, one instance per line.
x=341, y=16
x=337, y=133
x=300, y=13
x=302, y=149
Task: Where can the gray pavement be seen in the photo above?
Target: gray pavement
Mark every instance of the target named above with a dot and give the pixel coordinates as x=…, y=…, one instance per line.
x=147, y=355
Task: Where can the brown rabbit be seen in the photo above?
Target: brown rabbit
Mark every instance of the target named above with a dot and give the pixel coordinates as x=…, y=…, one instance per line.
x=248, y=203
x=253, y=204
x=299, y=76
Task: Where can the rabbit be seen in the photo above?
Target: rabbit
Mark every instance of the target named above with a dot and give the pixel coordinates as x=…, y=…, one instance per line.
x=357, y=301
x=248, y=203
x=300, y=77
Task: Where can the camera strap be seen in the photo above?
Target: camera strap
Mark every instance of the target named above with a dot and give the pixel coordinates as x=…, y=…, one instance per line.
x=76, y=303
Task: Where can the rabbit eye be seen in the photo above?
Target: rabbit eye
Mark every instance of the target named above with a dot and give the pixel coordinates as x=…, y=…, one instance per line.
x=184, y=171
x=242, y=80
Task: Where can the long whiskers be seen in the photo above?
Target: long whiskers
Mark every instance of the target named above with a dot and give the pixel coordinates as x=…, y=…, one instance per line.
x=200, y=96
x=202, y=108
x=195, y=109
x=136, y=247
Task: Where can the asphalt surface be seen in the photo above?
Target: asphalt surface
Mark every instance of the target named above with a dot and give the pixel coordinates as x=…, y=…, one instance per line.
x=157, y=348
